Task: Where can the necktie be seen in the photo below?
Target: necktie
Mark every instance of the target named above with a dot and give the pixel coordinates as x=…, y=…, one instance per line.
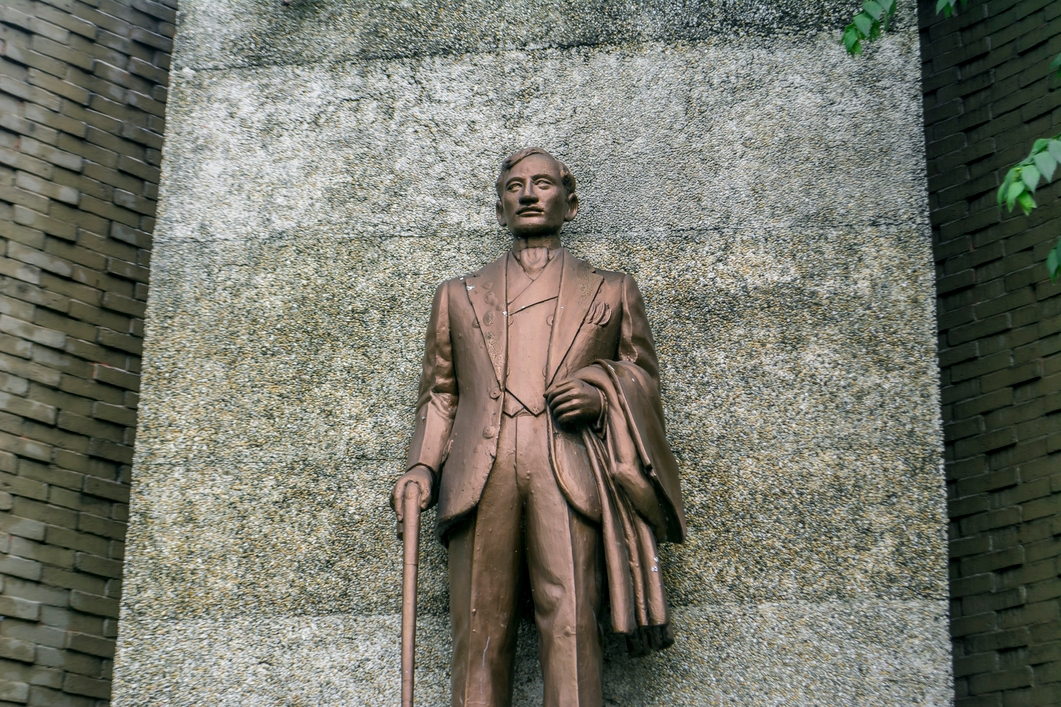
x=533, y=260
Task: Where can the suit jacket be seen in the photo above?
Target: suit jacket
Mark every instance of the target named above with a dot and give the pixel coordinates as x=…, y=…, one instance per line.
x=599, y=316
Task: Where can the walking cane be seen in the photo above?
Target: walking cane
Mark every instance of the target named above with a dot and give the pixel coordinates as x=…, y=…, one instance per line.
x=409, y=534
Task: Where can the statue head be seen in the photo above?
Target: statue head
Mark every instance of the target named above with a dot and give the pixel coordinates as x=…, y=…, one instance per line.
x=535, y=194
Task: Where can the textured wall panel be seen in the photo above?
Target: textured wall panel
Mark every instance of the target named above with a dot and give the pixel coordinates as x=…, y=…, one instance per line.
x=312, y=201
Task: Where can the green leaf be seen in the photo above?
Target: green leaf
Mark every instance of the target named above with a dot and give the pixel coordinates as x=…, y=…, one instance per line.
x=1026, y=202
x=1056, y=63
x=1004, y=189
x=1046, y=165
x=851, y=40
x=1054, y=148
x=1015, y=190
x=1053, y=261
x=1039, y=145
x=869, y=24
x=1030, y=175
x=864, y=23
x=942, y=4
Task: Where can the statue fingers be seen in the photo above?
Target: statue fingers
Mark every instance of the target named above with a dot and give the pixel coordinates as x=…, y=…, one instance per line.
x=561, y=405
x=571, y=417
x=396, y=501
x=569, y=409
x=563, y=386
x=561, y=400
x=568, y=394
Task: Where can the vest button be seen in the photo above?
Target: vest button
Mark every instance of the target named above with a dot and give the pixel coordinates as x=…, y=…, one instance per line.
x=489, y=432
x=495, y=393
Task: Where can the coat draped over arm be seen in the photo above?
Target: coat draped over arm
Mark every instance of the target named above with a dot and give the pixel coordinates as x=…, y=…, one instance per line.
x=637, y=482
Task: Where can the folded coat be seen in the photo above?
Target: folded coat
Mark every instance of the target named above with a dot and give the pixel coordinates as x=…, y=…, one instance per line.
x=637, y=482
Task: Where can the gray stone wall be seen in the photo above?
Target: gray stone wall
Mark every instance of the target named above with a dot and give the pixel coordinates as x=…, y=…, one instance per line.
x=989, y=94
x=328, y=163
x=82, y=98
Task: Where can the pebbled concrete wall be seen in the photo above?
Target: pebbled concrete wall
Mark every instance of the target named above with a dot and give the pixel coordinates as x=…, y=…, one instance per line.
x=328, y=163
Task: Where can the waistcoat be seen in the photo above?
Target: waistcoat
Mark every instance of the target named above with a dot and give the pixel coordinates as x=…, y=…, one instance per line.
x=531, y=310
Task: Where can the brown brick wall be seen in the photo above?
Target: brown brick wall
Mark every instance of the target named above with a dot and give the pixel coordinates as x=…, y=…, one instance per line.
x=989, y=95
x=82, y=93
x=82, y=88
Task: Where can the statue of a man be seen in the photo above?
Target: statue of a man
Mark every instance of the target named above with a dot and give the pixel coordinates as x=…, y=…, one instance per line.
x=539, y=431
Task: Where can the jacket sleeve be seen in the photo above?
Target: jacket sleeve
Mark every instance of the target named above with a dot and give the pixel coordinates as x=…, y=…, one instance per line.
x=437, y=402
x=644, y=406
x=635, y=338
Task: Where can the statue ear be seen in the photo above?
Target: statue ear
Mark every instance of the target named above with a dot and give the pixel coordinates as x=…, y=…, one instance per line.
x=572, y=207
x=500, y=211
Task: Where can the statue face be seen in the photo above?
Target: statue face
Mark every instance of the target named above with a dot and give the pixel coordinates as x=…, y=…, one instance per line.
x=534, y=201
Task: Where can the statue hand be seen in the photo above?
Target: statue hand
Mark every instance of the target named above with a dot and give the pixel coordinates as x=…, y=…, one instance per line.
x=574, y=402
x=423, y=478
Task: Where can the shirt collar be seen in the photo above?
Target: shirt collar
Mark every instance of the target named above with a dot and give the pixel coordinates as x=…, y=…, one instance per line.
x=550, y=242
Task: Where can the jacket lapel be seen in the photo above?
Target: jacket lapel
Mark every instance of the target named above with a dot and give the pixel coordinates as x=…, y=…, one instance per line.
x=578, y=286
x=486, y=291
x=545, y=287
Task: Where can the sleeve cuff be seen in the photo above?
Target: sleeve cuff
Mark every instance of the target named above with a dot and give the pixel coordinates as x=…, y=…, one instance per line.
x=601, y=425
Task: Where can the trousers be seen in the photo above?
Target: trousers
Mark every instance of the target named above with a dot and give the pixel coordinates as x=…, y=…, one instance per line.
x=523, y=520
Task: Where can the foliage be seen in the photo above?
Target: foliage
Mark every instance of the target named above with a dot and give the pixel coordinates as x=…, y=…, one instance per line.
x=1023, y=178
x=876, y=17
x=947, y=7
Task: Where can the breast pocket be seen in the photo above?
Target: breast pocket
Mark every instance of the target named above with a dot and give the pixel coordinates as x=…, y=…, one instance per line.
x=597, y=338
x=599, y=314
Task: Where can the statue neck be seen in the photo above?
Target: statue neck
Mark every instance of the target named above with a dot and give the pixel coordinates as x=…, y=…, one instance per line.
x=552, y=242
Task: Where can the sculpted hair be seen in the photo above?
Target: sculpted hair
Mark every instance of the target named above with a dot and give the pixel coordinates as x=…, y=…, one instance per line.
x=566, y=177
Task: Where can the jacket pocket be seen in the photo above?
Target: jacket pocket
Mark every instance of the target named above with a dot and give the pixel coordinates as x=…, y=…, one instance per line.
x=600, y=314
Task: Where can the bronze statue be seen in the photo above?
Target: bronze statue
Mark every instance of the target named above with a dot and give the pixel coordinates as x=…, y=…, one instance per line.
x=539, y=432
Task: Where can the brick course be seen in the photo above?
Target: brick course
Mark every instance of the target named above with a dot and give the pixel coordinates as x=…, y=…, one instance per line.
x=82, y=95
x=989, y=95
x=82, y=98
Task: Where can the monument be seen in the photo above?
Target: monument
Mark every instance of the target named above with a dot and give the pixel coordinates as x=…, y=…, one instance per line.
x=328, y=163
x=540, y=425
